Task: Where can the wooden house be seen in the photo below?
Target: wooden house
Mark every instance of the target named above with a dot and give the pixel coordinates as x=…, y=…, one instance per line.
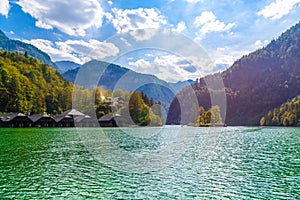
x=85, y=121
x=66, y=119
x=42, y=120
x=109, y=120
x=15, y=120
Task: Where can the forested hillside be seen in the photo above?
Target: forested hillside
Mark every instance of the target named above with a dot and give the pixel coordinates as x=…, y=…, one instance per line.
x=29, y=86
x=10, y=45
x=257, y=82
x=288, y=114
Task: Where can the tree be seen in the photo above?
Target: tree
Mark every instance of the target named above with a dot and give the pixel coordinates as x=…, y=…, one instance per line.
x=136, y=106
x=202, y=116
x=215, y=115
x=287, y=114
x=262, y=121
x=118, y=93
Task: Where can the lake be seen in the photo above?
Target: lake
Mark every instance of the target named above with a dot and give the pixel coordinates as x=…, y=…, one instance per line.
x=170, y=162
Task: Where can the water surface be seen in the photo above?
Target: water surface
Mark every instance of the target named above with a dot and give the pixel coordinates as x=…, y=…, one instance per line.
x=219, y=163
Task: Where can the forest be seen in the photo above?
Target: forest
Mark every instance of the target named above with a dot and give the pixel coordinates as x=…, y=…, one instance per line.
x=30, y=87
x=254, y=84
x=202, y=118
x=288, y=114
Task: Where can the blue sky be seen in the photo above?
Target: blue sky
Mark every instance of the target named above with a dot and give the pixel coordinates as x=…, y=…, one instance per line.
x=71, y=29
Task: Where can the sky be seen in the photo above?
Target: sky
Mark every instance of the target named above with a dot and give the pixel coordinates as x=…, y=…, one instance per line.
x=79, y=30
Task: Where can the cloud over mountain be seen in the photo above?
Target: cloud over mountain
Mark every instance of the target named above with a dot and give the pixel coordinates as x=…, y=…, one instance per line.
x=78, y=51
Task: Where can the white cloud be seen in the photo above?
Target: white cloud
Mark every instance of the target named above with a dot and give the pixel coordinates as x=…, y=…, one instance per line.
x=78, y=51
x=141, y=18
x=4, y=7
x=226, y=55
x=204, y=18
x=93, y=48
x=110, y=2
x=71, y=17
x=224, y=60
x=174, y=68
x=43, y=25
x=259, y=43
x=193, y=1
x=180, y=27
x=167, y=67
x=125, y=42
x=143, y=34
x=208, y=22
x=278, y=9
x=55, y=53
x=142, y=66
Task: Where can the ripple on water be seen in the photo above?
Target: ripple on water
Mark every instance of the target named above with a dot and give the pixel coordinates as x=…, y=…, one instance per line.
x=222, y=163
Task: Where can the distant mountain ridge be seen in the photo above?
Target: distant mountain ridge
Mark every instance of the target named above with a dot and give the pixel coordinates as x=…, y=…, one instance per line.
x=256, y=83
x=116, y=77
x=181, y=84
x=7, y=44
x=66, y=65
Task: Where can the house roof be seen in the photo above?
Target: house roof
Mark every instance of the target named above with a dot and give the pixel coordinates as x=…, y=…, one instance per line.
x=37, y=117
x=10, y=116
x=72, y=113
x=80, y=118
x=108, y=117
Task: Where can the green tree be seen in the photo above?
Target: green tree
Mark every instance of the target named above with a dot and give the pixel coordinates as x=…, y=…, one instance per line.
x=288, y=114
x=202, y=116
x=136, y=107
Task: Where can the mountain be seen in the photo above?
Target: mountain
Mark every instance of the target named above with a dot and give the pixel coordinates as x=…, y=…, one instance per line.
x=65, y=65
x=7, y=44
x=180, y=84
x=256, y=83
x=288, y=114
x=29, y=86
x=116, y=77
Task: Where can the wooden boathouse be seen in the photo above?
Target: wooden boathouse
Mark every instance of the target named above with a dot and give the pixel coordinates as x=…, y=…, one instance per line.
x=15, y=120
x=42, y=120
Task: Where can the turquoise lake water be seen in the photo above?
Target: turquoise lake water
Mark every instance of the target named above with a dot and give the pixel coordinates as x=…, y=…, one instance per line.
x=169, y=162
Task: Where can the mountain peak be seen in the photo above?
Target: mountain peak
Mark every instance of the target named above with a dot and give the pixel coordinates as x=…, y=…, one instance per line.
x=10, y=45
x=257, y=82
x=3, y=36
x=65, y=65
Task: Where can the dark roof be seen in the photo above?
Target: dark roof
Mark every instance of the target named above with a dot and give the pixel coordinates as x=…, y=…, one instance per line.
x=10, y=116
x=68, y=114
x=80, y=118
x=108, y=117
x=36, y=117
